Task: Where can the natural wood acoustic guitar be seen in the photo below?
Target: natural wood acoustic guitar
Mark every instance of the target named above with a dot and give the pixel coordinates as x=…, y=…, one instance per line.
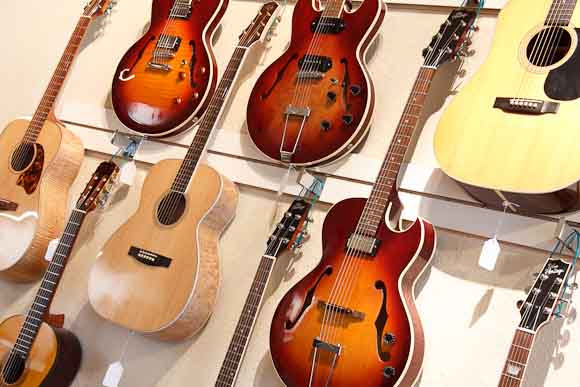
x=39, y=159
x=159, y=273
x=34, y=348
x=166, y=79
x=511, y=133
x=352, y=321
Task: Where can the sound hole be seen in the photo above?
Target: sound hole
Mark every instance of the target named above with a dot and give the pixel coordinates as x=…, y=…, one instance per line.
x=23, y=156
x=171, y=208
x=13, y=368
x=549, y=46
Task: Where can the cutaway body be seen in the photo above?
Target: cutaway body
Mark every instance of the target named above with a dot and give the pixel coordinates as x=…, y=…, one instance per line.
x=319, y=94
x=54, y=360
x=511, y=133
x=38, y=195
x=163, y=279
x=377, y=329
x=166, y=79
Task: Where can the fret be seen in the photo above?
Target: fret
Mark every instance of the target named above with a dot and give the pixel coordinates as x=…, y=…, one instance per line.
x=560, y=12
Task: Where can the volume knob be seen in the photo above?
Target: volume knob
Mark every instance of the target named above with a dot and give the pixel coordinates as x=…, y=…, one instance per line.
x=389, y=372
x=389, y=338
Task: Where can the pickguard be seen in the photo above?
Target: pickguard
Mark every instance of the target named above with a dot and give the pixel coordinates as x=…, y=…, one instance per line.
x=30, y=178
x=563, y=83
x=289, y=324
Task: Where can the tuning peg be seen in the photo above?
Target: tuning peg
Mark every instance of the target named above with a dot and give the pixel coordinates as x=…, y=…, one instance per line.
x=519, y=303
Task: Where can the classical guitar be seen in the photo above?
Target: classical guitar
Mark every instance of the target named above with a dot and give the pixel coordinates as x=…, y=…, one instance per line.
x=352, y=321
x=288, y=235
x=159, y=273
x=33, y=352
x=39, y=159
x=166, y=79
x=315, y=103
x=545, y=301
x=511, y=132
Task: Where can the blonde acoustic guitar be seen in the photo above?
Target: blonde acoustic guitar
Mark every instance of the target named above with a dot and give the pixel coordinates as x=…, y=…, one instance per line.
x=512, y=132
x=159, y=273
x=39, y=159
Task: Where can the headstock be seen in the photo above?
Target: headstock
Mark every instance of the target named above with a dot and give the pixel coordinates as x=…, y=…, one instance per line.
x=290, y=230
x=96, y=8
x=452, y=36
x=545, y=298
x=264, y=21
x=99, y=187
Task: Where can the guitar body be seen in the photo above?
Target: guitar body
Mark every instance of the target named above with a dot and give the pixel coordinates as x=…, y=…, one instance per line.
x=383, y=292
x=54, y=360
x=40, y=192
x=160, y=102
x=530, y=159
x=172, y=302
x=278, y=87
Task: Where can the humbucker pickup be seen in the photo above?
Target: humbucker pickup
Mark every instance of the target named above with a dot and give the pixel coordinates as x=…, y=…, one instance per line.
x=327, y=25
x=342, y=310
x=364, y=244
x=149, y=258
x=7, y=205
x=526, y=105
x=181, y=9
x=168, y=42
x=314, y=63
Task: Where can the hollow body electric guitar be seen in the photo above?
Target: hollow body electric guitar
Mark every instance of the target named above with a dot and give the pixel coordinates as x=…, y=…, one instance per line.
x=511, y=133
x=547, y=300
x=34, y=353
x=159, y=273
x=166, y=79
x=39, y=159
x=352, y=321
x=315, y=103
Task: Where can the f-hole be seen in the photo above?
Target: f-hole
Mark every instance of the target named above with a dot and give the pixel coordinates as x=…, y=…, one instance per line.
x=13, y=368
x=23, y=156
x=171, y=208
x=549, y=46
x=381, y=321
x=289, y=324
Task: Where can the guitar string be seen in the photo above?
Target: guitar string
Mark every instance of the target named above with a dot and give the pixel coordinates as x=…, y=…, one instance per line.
x=556, y=37
x=162, y=35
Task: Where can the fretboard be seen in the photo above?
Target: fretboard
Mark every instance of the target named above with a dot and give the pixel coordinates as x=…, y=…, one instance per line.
x=50, y=281
x=560, y=12
x=333, y=8
x=57, y=80
x=517, y=360
x=378, y=201
x=208, y=122
x=239, y=342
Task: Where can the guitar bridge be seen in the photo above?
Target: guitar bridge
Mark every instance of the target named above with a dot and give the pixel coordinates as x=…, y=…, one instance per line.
x=342, y=310
x=526, y=105
x=7, y=205
x=159, y=66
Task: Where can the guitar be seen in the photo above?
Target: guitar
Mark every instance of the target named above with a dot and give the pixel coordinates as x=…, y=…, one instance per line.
x=511, y=132
x=352, y=321
x=159, y=272
x=543, y=303
x=39, y=160
x=315, y=103
x=32, y=352
x=287, y=235
x=166, y=79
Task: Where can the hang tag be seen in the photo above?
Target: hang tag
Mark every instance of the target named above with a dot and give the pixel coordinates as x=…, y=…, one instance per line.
x=489, y=254
x=127, y=173
x=113, y=375
x=51, y=249
x=307, y=180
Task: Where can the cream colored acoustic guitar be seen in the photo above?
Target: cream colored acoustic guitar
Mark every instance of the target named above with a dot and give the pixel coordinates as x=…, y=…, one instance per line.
x=513, y=132
x=39, y=159
x=159, y=273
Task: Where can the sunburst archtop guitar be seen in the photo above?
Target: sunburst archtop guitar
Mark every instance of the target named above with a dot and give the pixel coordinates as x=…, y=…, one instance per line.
x=352, y=321
x=172, y=239
x=166, y=79
x=39, y=159
x=34, y=350
x=315, y=103
x=511, y=133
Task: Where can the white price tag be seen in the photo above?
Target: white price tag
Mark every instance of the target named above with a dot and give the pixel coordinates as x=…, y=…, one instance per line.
x=51, y=249
x=113, y=375
x=489, y=254
x=127, y=173
x=307, y=180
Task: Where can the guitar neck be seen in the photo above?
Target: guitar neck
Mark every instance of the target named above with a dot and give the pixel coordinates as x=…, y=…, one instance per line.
x=517, y=359
x=239, y=342
x=208, y=121
x=386, y=181
x=58, y=77
x=560, y=12
x=49, y=284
